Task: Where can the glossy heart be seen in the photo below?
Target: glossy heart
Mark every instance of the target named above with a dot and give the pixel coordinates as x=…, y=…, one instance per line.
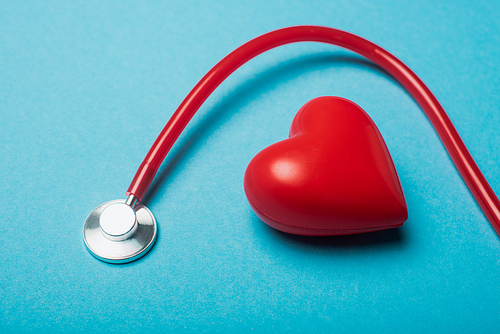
x=332, y=176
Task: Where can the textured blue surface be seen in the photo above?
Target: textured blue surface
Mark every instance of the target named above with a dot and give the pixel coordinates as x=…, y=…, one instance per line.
x=85, y=88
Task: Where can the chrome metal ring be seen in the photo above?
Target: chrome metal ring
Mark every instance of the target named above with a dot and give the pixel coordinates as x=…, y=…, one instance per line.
x=116, y=250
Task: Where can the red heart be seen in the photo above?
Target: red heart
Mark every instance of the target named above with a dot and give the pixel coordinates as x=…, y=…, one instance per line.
x=333, y=176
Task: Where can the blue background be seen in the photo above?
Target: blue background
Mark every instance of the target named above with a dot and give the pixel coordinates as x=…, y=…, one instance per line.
x=85, y=88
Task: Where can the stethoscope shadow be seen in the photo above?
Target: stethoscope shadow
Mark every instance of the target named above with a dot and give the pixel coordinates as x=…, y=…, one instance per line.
x=263, y=82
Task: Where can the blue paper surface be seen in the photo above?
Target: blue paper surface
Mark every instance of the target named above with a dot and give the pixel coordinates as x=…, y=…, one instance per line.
x=85, y=88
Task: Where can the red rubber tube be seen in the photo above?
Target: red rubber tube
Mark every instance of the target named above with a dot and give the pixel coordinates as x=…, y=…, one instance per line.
x=449, y=136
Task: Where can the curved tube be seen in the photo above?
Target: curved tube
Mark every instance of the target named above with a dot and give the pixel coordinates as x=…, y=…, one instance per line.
x=449, y=136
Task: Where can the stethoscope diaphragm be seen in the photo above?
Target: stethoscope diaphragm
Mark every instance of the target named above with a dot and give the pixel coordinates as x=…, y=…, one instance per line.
x=119, y=232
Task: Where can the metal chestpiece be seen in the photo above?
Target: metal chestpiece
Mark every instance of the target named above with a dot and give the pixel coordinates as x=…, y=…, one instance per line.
x=120, y=231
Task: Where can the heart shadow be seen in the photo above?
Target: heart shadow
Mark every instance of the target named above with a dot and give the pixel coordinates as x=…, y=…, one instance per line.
x=394, y=236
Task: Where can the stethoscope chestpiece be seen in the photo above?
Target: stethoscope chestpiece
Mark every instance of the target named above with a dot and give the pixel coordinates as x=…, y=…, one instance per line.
x=120, y=231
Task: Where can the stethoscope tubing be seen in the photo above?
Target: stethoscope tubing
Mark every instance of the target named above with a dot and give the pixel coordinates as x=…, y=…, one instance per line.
x=456, y=148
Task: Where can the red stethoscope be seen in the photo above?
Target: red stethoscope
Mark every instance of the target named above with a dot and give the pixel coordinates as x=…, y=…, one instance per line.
x=303, y=185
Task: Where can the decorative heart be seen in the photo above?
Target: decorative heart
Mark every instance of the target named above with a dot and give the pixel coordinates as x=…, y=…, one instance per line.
x=332, y=176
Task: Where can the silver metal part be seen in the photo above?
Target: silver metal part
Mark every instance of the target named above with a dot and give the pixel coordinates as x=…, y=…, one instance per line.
x=118, y=222
x=131, y=199
x=115, y=232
